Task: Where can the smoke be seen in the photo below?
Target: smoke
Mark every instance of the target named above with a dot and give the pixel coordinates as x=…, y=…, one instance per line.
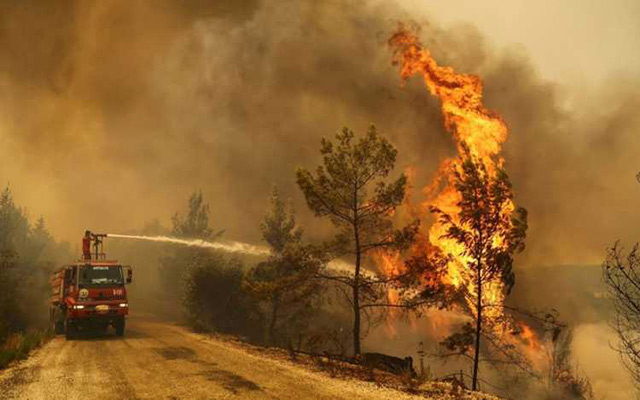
x=116, y=118
x=112, y=112
x=592, y=349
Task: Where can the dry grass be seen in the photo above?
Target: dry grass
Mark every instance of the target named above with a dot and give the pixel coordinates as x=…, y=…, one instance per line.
x=336, y=368
x=18, y=345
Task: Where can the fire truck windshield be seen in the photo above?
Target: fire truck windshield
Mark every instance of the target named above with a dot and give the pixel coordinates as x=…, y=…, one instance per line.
x=101, y=276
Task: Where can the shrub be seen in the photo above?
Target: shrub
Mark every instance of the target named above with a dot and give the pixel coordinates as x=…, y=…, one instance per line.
x=18, y=345
x=214, y=298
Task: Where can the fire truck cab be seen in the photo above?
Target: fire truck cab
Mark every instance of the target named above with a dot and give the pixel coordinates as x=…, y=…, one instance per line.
x=90, y=293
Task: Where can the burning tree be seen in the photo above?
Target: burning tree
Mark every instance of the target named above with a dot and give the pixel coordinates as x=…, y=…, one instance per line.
x=350, y=189
x=478, y=227
x=488, y=235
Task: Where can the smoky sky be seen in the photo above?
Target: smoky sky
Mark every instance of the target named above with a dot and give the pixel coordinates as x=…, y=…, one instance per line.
x=111, y=113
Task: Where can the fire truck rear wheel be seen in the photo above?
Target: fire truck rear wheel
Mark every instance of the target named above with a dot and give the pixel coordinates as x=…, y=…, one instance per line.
x=52, y=321
x=56, y=325
x=119, y=325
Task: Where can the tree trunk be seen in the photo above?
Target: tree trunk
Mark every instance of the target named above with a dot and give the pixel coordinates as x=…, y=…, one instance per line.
x=356, y=290
x=356, y=304
x=356, y=316
x=476, y=357
x=274, y=319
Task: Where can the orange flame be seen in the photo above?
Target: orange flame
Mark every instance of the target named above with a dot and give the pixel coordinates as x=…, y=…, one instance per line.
x=391, y=266
x=472, y=125
x=529, y=337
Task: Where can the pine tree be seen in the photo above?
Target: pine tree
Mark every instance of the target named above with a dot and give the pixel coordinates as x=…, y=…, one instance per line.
x=287, y=280
x=351, y=190
x=490, y=238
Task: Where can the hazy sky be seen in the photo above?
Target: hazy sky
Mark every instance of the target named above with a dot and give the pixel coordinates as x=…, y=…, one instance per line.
x=576, y=41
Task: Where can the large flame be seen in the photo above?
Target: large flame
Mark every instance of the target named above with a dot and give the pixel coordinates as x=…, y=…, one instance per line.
x=472, y=125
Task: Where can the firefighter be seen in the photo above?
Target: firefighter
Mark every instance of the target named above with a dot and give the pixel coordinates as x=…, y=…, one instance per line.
x=86, y=246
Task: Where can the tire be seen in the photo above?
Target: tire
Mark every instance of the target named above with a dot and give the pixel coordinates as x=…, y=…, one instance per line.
x=58, y=319
x=70, y=331
x=59, y=327
x=102, y=329
x=119, y=325
x=57, y=324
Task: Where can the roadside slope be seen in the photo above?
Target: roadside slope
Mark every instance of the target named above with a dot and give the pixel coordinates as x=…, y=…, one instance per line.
x=161, y=361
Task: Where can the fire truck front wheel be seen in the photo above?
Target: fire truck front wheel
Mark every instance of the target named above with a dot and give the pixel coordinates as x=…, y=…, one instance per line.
x=59, y=327
x=70, y=331
x=119, y=325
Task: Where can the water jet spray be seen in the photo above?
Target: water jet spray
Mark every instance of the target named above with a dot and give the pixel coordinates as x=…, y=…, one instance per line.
x=229, y=247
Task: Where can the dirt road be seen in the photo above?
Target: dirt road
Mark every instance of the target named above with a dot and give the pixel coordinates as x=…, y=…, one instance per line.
x=157, y=360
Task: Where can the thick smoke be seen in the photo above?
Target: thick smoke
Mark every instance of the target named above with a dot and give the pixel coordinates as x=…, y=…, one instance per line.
x=112, y=112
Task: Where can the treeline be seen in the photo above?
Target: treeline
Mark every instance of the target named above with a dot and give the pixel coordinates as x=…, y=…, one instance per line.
x=323, y=297
x=297, y=298
x=28, y=253
x=265, y=301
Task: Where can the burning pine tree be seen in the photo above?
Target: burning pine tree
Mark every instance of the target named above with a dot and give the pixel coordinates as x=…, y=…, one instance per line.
x=478, y=227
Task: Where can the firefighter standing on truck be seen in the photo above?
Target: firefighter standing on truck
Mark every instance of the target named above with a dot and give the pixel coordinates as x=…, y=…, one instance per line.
x=86, y=246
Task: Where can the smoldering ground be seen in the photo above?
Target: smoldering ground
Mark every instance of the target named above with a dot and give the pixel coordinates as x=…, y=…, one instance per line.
x=111, y=113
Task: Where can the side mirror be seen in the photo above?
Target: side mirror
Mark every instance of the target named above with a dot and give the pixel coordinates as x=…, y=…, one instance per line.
x=129, y=275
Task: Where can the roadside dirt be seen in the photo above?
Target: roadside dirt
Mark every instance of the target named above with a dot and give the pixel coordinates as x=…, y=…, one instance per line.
x=157, y=360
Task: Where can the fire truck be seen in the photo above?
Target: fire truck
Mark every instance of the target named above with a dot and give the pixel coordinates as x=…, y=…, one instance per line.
x=90, y=293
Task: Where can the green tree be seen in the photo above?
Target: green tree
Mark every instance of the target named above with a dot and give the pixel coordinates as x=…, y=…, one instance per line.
x=12, y=223
x=192, y=224
x=27, y=255
x=287, y=280
x=279, y=225
x=195, y=224
x=350, y=189
x=489, y=235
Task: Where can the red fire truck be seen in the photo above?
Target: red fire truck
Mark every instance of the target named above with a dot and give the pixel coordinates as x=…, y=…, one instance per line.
x=90, y=293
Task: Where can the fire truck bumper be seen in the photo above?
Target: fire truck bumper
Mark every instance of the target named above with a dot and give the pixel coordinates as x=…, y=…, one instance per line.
x=100, y=316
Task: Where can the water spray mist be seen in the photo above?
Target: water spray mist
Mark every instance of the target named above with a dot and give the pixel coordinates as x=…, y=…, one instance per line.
x=230, y=247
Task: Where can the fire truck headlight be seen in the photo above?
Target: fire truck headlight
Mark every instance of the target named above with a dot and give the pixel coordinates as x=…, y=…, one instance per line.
x=78, y=306
x=124, y=305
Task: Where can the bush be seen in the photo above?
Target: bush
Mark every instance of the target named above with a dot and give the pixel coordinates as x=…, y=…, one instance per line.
x=215, y=299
